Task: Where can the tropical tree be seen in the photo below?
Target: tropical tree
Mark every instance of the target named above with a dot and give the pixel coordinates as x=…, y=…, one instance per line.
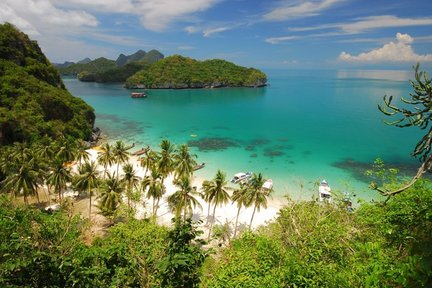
x=109, y=195
x=155, y=188
x=149, y=160
x=58, y=177
x=184, y=199
x=257, y=195
x=120, y=154
x=23, y=180
x=240, y=196
x=87, y=180
x=184, y=162
x=105, y=157
x=217, y=193
x=165, y=161
x=416, y=111
x=81, y=151
x=65, y=150
x=131, y=180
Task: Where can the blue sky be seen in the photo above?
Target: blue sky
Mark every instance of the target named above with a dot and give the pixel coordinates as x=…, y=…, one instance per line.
x=263, y=34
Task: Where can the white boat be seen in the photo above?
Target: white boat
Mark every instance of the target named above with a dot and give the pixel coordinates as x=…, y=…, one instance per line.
x=268, y=184
x=240, y=177
x=324, y=191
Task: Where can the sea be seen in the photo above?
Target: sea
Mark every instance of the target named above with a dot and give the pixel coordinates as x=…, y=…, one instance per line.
x=305, y=126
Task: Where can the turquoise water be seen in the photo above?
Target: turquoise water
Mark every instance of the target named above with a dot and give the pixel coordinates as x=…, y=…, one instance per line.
x=304, y=126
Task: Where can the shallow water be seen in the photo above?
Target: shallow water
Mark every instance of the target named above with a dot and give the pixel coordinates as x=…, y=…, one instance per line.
x=304, y=126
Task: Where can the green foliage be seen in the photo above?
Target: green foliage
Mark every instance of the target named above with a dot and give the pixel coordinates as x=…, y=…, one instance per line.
x=182, y=72
x=181, y=265
x=33, y=101
x=313, y=245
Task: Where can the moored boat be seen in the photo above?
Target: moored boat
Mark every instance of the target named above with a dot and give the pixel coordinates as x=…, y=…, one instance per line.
x=138, y=95
x=199, y=166
x=324, y=191
x=241, y=177
x=268, y=184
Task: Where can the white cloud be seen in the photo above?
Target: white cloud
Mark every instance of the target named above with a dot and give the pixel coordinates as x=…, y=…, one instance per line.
x=210, y=31
x=364, y=24
x=288, y=9
x=398, y=51
x=191, y=29
x=277, y=40
x=157, y=15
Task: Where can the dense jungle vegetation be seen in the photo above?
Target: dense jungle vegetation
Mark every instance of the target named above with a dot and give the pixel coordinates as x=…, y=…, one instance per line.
x=33, y=100
x=183, y=72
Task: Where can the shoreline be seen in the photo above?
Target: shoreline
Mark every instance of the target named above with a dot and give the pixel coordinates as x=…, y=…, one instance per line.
x=224, y=214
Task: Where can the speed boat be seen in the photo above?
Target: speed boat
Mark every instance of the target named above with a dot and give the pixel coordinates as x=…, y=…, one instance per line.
x=241, y=177
x=324, y=191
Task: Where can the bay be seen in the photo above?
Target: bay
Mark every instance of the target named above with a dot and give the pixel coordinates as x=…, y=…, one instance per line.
x=305, y=126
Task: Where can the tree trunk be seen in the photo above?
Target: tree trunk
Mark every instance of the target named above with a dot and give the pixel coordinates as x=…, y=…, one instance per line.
x=235, y=227
x=157, y=206
x=211, y=223
x=253, y=214
x=90, y=203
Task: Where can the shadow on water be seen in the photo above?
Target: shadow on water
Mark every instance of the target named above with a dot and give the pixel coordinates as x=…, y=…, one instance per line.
x=213, y=143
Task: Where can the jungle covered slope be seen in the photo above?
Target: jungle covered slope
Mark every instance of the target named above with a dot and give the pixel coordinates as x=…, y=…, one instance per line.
x=33, y=99
x=177, y=72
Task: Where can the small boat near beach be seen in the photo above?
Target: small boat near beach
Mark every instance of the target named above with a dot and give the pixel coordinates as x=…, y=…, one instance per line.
x=138, y=95
x=199, y=166
x=268, y=184
x=141, y=151
x=324, y=191
x=241, y=177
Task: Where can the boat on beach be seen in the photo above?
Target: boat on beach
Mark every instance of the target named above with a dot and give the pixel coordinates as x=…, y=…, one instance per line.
x=241, y=177
x=324, y=191
x=141, y=151
x=268, y=184
x=199, y=166
x=138, y=95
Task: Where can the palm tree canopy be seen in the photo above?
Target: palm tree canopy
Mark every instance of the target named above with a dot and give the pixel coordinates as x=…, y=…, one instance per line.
x=165, y=162
x=153, y=184
x=216, y=191
x=184, y=162
x=258, y=195
x=110, y=192
x=87, y=177
x=184, y=199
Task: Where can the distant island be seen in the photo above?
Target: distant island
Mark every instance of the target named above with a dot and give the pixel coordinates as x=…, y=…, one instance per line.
x=178, y=72
x=103, y=70
x=150, y=70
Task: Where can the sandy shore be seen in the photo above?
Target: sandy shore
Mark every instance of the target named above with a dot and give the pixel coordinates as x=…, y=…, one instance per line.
x=224, y=214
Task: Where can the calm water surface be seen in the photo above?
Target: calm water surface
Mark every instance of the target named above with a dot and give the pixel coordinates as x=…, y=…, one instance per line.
x=305, y=126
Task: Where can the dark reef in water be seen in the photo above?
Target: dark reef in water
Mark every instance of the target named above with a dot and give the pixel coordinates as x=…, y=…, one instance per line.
x=212, y=143
x=358, y=169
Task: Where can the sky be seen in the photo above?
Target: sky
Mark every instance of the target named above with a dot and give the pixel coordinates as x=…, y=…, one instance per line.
x=257, y=33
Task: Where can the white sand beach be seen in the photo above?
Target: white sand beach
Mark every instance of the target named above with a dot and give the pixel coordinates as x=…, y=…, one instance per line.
x=224, y=214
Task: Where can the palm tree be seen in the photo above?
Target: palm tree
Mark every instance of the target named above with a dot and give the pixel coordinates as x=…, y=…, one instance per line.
x=183, y=200
x=240, y=196
x=81, y=151
x=23, y=180
x=121, y=155
x=149, y=160
x=58, y=177
x=65, y=150
x=109, y=197
x=258, y=195
x=131, y=180
x=184, y=162
x=165, y=161
x=217, y=193
x=155, y=188
x=87, y=179
x=105, y=157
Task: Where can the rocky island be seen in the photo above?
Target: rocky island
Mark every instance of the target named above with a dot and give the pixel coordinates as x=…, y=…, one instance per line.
x=178, y=72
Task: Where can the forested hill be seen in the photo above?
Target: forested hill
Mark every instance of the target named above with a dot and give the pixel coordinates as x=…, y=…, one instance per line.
x=104, y=70
x=33, y=99
x=177, y=72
